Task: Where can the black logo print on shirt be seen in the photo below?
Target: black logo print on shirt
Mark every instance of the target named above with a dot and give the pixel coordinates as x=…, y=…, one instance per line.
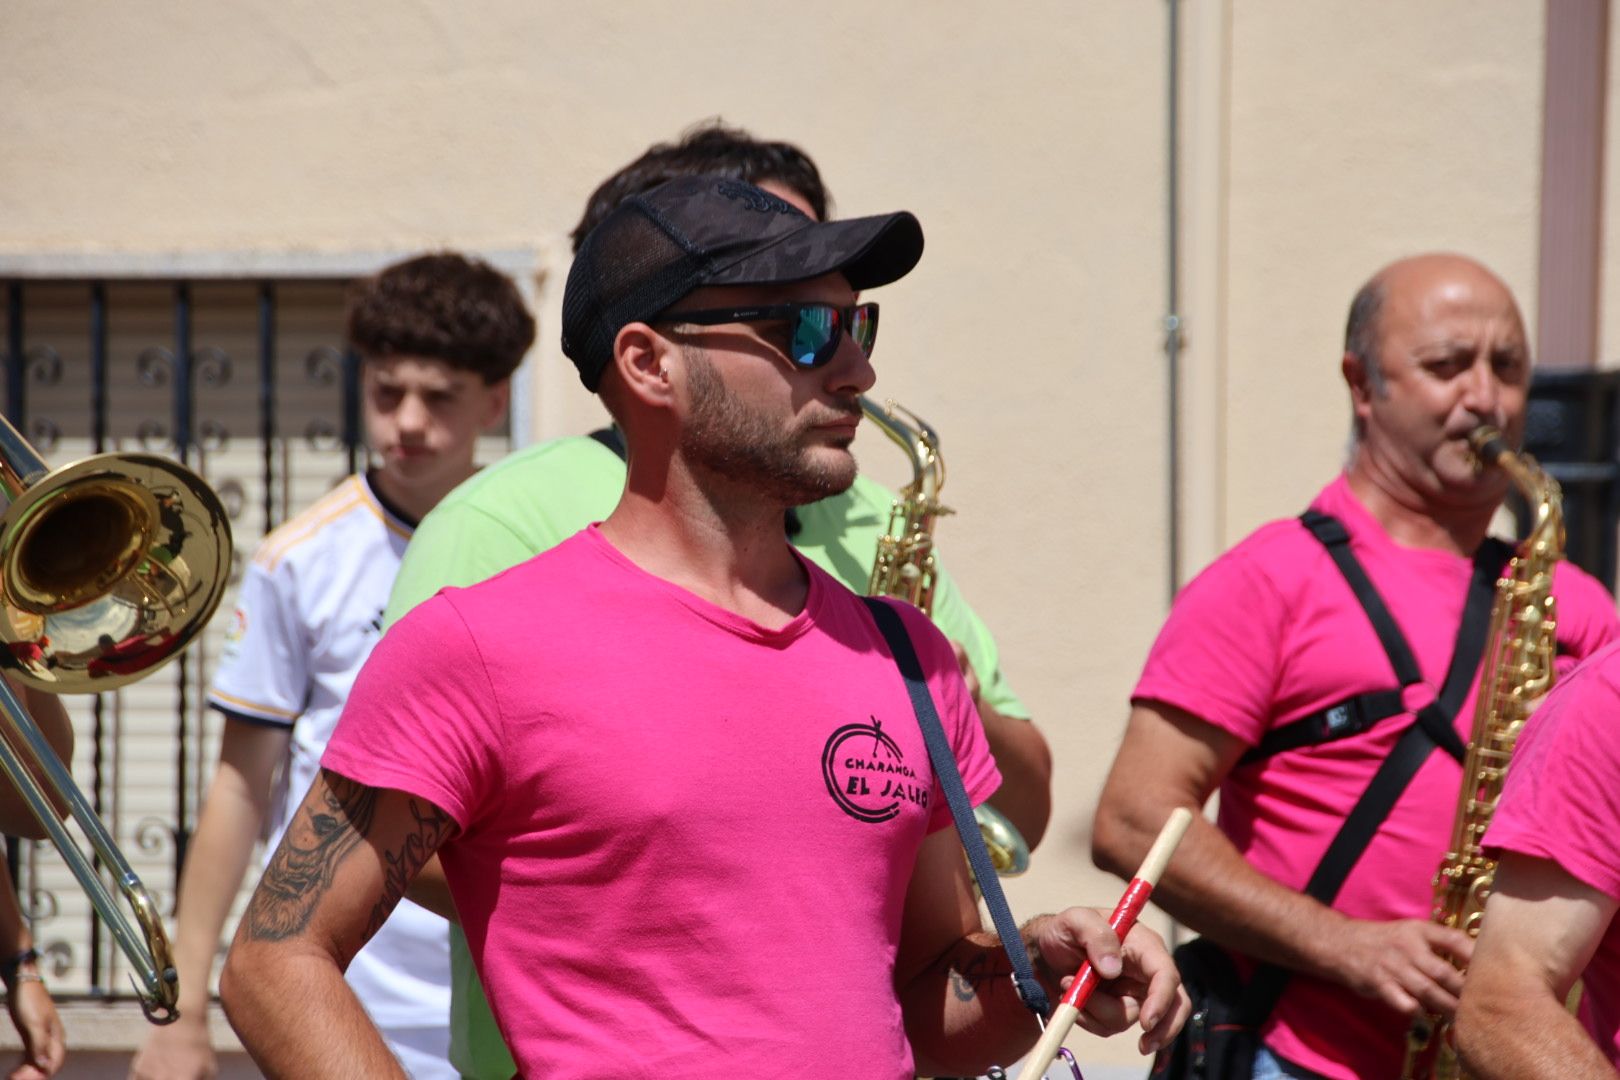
x=867, y=774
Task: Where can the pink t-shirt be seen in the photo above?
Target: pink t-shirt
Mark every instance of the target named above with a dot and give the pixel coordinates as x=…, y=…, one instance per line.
x=686, y=839
x=1270, y=633
x=1562, y=802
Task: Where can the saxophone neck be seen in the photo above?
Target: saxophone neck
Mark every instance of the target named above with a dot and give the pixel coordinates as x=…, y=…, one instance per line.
x=1544, y=541
x=919, y=441
x=904, y=566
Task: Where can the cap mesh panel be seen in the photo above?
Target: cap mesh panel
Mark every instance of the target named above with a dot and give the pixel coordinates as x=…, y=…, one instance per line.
x=628, y=270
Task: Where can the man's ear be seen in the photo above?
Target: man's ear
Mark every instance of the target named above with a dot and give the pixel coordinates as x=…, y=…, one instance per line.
x=641, y=357
x=1357, y=379
x=500, y=394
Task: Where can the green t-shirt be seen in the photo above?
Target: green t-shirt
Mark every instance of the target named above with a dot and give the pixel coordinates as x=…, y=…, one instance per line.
x=532, y=500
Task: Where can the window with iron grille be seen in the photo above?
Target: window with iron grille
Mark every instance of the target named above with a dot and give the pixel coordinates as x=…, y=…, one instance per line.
x=248, y=383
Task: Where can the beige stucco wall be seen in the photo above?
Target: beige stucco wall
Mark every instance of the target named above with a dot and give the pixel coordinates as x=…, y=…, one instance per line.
x=1320, y=140
x=1359, y=132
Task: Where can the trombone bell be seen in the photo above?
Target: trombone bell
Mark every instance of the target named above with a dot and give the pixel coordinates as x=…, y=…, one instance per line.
x=108, y=568
x=75, y=547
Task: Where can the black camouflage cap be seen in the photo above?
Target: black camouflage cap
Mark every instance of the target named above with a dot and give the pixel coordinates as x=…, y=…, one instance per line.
x=703, y=230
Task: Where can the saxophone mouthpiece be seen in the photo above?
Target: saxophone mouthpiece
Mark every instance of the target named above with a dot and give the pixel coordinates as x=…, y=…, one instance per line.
x=1488, y=444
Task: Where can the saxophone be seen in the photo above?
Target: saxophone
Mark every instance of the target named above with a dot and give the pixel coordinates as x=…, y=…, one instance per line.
x=905, y=568
x=1518, y=669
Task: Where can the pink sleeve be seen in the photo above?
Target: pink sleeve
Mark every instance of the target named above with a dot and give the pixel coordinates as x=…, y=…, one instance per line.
x=963, y=728
x=1219, y=652
x=1560, y=801
x=421, y=717
x=1587, y=620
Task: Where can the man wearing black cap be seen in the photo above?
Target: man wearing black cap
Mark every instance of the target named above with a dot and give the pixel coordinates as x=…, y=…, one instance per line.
x=535, y=498
x=674, y=779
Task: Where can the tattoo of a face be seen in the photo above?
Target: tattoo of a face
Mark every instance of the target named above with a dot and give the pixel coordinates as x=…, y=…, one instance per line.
x=302, y=868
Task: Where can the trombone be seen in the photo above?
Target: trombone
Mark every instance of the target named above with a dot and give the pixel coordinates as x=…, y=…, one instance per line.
x=108, y=568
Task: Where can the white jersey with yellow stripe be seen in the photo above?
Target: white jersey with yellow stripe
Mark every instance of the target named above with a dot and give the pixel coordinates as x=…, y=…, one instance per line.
x=307, y=616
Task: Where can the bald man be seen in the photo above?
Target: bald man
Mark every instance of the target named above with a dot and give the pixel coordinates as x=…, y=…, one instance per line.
x=1271, y=683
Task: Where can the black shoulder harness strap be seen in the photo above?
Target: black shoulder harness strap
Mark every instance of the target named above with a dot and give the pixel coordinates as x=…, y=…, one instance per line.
x=1356, y=714
x=949, y=776
x=1433, y=726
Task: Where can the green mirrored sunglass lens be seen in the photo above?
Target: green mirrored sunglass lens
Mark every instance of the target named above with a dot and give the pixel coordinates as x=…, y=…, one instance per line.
x=812, y=330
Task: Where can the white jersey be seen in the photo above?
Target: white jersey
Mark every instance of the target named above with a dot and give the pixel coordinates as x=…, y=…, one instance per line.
x=309, y=611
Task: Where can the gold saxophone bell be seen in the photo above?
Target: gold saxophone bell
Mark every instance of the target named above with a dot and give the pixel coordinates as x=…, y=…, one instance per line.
x=108, y=568
x=905, y=568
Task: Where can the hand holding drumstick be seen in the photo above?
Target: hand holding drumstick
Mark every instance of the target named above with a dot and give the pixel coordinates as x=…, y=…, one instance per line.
x=1125, y=914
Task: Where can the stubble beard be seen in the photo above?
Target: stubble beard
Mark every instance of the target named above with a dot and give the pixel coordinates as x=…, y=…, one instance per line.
x=724, y=436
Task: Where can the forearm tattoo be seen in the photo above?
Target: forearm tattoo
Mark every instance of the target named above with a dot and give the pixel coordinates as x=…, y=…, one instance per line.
x=320, y=837
x=973, y=963
x=967, y=973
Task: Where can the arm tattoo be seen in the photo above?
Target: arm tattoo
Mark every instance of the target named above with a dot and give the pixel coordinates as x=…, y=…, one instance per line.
x=973, y=964
x=319, y=838
x=433, y=827
x=967, y=973
x=301, y=871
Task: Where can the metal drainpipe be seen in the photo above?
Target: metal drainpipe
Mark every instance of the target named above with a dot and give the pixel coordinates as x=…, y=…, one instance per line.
x=1172, y=318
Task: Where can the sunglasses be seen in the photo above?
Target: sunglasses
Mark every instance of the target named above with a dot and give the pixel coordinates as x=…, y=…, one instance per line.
x=815, y=330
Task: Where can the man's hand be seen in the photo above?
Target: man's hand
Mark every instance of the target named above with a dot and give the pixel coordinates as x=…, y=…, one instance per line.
x=177, y=1051
x=34, y=1015
x=1404, y=964
x=1139, y=979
